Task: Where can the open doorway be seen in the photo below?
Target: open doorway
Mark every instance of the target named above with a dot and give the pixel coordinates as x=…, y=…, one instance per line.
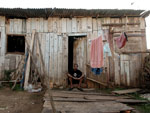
x=77, y=51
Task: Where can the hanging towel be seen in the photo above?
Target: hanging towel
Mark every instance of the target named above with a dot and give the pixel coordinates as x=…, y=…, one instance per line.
x=96, y=56
x=121, y=41
x=97, y=71
x=107, y=49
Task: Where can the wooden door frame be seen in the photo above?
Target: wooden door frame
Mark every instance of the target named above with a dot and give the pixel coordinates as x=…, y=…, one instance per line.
x=76, y=35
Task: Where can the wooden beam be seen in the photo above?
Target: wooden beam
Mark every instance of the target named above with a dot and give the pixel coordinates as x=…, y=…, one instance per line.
x=132, y=101
x=132, y=52
x=119, y=24
x=96, y=81
x=128, y=31
x=27, y=72
x=131, y=35
x=77, y=34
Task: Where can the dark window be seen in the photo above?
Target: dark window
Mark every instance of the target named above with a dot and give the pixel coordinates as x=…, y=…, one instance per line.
x=16, y=44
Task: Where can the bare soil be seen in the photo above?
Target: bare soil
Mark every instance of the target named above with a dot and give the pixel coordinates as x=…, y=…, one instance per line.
x=20, y=101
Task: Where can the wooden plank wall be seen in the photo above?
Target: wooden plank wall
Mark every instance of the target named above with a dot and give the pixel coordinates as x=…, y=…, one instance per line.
x=2, y=46
x=128, y=66
x=53, y=34
x=15, y=27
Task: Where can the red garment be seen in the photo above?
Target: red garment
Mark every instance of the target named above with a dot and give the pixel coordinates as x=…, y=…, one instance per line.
x=121, y=41
x=96, y=58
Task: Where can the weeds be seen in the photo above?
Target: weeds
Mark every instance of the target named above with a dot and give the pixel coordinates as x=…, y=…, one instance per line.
x=144, y=108
x=137, y=96
x=7, y=76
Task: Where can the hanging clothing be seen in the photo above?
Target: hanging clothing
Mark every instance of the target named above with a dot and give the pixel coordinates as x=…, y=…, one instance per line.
x=97, y=71
x=107, y=49
x=96, y=55
x=121, y=41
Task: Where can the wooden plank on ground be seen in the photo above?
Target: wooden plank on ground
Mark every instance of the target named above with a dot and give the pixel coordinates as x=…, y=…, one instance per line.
x=60, y=99
x=77, y=93
x=132, y=101
x=70, y=101
x=90, y=107
x=126, y=91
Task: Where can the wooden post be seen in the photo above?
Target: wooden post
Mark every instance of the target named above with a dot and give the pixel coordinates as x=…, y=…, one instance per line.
x=32, y=58
x=27, y=72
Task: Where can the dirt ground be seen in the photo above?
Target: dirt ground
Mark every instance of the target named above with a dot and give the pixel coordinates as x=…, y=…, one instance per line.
x=20, y=101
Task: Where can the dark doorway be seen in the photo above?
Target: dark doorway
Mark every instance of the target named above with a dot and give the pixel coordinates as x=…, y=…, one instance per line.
x=77, y=52
x=70, y=53
x=15, y=44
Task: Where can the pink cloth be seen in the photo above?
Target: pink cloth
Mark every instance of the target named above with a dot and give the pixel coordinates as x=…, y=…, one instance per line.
x=121, y=41
x=96, y=58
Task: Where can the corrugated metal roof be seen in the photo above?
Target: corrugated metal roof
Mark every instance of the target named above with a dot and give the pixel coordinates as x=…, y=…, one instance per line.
x=60, y=12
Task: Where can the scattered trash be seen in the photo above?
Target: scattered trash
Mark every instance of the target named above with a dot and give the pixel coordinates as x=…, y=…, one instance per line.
x=33, y=89
x=3, y=108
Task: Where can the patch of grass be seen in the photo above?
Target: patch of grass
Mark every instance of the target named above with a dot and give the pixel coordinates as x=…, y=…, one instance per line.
x=119, y=88
x=137, y=96
x=18, y=88
x=109, y=90
x=144, y=108
x=1, y=87
x=7, y=76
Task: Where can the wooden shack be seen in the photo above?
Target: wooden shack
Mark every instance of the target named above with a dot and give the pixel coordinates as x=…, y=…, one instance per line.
x=65, y=36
